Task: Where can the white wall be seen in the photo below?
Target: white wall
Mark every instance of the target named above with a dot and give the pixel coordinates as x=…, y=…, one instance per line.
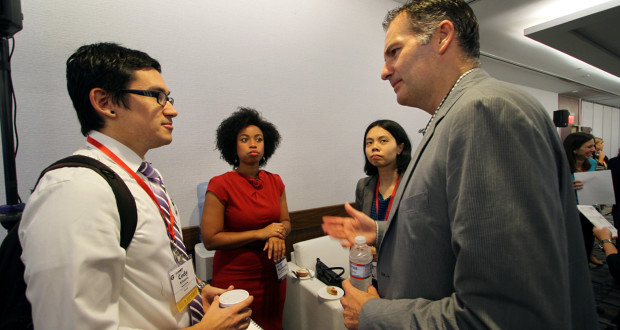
x=310, y=66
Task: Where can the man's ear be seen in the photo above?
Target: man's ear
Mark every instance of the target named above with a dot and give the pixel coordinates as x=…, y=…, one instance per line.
x=446, y=35
x=101, y=101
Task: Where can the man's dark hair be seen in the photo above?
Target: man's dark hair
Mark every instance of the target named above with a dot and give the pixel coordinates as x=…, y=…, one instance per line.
x=425, y=16
x=399, y=134
x=226, y=135
x=573, y=142
x=103, y=65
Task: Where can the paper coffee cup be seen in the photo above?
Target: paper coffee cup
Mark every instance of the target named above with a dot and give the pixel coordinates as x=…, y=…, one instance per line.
x=233, y=297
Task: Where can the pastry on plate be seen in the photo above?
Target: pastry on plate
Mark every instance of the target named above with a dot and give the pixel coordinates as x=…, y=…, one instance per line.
x=302, y=272
x=332, y=290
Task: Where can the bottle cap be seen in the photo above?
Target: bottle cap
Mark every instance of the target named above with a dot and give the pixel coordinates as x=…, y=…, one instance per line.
x=360, y=240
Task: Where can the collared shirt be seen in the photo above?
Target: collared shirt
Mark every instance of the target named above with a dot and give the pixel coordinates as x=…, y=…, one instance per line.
x=77, y=274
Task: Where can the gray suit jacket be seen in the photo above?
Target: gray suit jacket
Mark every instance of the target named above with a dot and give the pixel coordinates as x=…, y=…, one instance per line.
x=365, y=192
x=480, y=234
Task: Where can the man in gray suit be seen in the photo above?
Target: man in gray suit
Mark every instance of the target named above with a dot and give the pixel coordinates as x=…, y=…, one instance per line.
x=484, y=231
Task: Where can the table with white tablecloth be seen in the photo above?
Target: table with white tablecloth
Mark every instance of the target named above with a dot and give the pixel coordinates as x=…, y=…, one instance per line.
x=304, y=309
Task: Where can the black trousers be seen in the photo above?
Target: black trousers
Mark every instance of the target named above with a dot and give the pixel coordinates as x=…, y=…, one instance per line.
x=588, y=236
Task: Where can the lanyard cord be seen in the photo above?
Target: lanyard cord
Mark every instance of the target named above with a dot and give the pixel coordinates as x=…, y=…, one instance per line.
x=139, y=180
x=391, y=198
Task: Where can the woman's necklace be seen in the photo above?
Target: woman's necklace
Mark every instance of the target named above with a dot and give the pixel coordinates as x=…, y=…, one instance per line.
x=423, y=131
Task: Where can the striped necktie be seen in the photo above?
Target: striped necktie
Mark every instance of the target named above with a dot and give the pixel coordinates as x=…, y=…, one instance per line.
x=196, y=311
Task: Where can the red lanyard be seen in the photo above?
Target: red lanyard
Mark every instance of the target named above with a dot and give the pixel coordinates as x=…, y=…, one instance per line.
x=139, y=180
x=391, y=198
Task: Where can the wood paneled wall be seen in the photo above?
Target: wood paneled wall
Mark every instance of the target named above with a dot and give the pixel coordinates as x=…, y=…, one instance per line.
x=305, y=224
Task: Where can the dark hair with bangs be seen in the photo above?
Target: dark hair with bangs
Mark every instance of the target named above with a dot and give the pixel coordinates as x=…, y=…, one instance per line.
x=425, y=16
x=103, y=65
x=226, y=135
x=399, y=134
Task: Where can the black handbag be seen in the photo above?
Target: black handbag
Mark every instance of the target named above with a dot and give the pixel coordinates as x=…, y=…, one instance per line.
x=328, y=275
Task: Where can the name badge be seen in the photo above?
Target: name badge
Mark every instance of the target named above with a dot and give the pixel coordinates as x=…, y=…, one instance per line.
x=184, y=286
x=282, y=268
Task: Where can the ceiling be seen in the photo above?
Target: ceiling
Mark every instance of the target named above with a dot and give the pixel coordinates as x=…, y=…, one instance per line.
x=570, y=47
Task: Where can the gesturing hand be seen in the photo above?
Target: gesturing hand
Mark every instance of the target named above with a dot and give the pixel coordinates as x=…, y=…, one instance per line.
x=346, y=229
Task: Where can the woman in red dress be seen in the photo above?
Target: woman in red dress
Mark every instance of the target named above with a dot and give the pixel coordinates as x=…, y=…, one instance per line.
x=245, y=216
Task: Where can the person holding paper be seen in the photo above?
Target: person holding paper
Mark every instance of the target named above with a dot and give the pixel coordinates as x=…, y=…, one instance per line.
x=613, y=259
x=614, y=166
x=580, y=149
x=611, y=252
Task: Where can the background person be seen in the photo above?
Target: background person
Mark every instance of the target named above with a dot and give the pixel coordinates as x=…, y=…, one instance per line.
x=579, y=148
x=387, y=152
x=613, y=259
x=245, y=217
x=599, y=155
x=470, y=197
x=611, y=252
x=77, y=275
x=614, y=166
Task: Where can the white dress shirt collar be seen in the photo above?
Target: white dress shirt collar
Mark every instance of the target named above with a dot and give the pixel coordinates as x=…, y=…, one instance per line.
x=122, y=151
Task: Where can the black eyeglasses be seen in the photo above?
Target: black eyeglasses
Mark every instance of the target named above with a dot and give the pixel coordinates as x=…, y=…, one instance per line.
x=161, y=97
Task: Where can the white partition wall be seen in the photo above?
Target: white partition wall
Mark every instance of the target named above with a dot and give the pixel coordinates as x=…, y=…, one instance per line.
x=614, y=141
x=597, y=120
x=605, y=123
x=587, y=114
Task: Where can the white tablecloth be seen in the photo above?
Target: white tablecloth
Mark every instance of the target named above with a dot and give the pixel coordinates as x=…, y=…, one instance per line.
x=304, y=309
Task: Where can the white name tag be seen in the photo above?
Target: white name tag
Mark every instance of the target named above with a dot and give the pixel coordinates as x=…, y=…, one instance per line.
x=184, y=286
x=282, y=268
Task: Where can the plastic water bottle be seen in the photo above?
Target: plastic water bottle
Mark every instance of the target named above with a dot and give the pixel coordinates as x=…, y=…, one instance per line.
x=360, y=260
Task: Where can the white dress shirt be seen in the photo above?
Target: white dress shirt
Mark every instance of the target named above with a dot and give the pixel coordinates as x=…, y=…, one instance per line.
x=77, y=274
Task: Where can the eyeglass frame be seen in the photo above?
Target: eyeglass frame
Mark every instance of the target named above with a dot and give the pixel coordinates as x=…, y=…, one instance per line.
x=155, y=94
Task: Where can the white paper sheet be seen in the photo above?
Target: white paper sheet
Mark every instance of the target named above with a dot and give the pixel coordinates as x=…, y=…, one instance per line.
x=597, y=188
x=597, y=219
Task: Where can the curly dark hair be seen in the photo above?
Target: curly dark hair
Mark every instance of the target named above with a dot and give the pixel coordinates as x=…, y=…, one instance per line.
x=226, y=135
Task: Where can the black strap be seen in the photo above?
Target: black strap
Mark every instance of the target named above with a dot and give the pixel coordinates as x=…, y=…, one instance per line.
x=341, y=269
x=125, y=202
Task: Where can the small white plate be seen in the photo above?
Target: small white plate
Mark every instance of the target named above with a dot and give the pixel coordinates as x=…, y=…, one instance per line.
x=323, y=293
x=310, y=275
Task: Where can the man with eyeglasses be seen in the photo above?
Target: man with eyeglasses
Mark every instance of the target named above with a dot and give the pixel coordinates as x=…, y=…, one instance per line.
x=77, y=274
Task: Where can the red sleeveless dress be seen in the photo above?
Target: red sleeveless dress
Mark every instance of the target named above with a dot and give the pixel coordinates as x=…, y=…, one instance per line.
x=250, y=204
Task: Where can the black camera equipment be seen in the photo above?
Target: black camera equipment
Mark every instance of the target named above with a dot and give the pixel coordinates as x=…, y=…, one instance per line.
x=10, y=23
